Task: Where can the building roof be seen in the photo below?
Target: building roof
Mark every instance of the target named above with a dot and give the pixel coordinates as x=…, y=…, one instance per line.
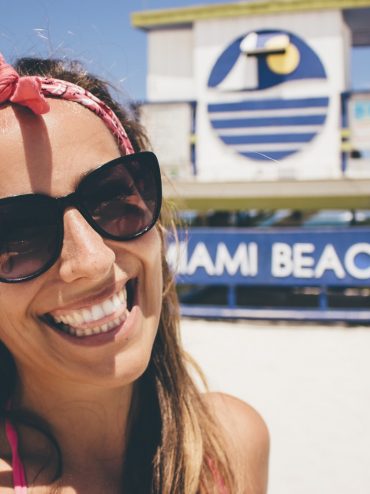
x=153, y=19
x=305, y=194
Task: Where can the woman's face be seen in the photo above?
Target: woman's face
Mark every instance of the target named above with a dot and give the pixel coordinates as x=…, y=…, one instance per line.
x=87, y=287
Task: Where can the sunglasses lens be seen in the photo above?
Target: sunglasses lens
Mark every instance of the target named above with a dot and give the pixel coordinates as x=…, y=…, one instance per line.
x=28, y=237
x=123, y=198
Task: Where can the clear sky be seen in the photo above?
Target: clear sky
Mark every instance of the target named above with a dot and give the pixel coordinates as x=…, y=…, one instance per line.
x=96, y=32
x=99, y=34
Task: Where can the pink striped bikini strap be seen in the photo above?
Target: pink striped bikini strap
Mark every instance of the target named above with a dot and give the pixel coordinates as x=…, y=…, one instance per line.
x=19, y=478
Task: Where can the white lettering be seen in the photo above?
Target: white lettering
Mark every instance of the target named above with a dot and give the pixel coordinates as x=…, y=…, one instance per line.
x=302, y=263
x=281, y=260
x=200, y=259
x=253, y=258
x=286, y=260
x=177, y=256
x=350, y=263
x=245, y=258
x=329, y=260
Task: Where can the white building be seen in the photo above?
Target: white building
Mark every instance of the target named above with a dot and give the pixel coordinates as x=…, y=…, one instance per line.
x=242, y=96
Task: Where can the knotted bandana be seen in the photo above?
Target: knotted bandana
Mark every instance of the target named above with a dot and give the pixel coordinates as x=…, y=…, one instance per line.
x=25, y=91
x=31, y=91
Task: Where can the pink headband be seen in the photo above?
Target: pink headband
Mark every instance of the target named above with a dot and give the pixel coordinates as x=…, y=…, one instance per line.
x=30, y=91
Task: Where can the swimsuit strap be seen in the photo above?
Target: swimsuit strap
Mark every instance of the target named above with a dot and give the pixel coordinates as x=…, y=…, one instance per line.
x=216, y=475
x=19, y=478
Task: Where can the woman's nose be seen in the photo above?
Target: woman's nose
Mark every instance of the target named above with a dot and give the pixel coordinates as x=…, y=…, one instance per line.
x=84, y=253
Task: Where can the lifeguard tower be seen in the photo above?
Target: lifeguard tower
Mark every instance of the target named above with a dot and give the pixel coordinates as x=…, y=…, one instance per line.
x=250, y=108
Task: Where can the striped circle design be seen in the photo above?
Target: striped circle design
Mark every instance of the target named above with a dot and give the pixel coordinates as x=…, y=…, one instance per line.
x=269, y=129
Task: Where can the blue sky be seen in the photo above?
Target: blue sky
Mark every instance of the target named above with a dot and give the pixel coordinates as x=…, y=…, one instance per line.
x=99, y=34
x=96, y=32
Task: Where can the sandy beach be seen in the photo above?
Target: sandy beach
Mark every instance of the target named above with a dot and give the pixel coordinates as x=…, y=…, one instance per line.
x=311, y=385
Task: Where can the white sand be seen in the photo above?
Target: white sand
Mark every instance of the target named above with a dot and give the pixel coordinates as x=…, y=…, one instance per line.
x=311, y=385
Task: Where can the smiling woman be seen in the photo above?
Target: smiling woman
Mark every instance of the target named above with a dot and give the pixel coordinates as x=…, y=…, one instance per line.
x=96, y=393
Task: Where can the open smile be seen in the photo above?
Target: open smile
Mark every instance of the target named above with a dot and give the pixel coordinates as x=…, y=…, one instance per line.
x=98, y=318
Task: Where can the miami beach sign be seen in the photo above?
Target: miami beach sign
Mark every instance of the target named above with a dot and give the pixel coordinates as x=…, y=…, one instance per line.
x=285, y=257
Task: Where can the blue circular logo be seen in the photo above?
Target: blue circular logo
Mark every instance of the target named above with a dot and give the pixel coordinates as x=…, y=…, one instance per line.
x=259, y=127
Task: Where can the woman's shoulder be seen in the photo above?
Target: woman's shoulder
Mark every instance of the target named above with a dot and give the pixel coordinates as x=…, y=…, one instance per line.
x=246, y=437
x=239, y=418
x=6, y=477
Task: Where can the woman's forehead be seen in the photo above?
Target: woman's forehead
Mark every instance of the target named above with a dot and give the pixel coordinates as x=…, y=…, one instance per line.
x=36, y=151
x=65, y=119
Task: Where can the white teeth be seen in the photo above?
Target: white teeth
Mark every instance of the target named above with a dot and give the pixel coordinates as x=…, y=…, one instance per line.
x=69, y=319
x=116, y=301
x=78, y=317
x=122, y=296
x=108, y=307
x=96, y=330
x=86, y=315
x=97, y=312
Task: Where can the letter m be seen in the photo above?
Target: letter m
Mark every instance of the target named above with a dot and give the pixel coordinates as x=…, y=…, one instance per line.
x=231, y=264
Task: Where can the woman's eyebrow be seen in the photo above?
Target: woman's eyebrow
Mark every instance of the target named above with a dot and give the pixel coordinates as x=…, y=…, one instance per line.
x=77, y=180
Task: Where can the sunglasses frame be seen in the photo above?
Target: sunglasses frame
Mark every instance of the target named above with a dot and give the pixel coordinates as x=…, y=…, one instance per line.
x=147, y=159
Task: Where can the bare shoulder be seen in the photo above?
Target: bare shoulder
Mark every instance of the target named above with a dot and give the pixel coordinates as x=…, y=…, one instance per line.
x=246, y=437
x=6, y=478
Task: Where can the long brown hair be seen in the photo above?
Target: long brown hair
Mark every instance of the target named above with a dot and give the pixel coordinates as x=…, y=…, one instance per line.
x=174, y=445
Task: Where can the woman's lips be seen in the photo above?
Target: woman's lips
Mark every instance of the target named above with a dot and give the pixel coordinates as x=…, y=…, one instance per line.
x=97, y=318
x=96, y=312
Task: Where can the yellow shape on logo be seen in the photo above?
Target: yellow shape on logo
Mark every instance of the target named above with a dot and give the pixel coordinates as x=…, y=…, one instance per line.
x=282, y=63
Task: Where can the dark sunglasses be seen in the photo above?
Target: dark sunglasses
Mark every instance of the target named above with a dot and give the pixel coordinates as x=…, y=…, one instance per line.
x=121, y=200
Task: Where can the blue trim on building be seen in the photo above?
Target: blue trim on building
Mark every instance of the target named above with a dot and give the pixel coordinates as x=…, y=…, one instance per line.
x=334, y=315
x=268, y=121
x=268, y=138
x=269, y=104
x=268, y=155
